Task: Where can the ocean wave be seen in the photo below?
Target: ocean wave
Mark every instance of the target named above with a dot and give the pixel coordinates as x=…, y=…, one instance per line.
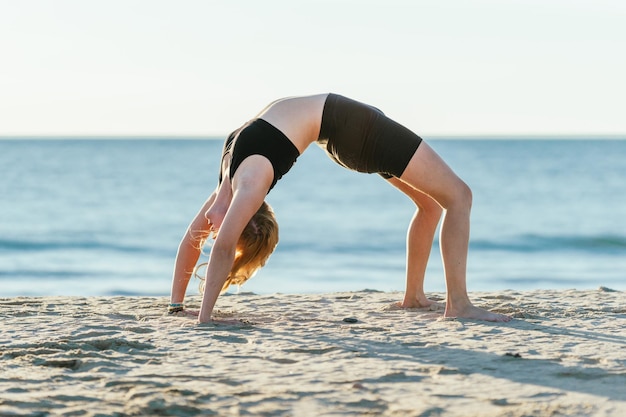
x=47, y=274
x=24, y=245
x=528, y=243
x=609, y=244
x=352, y=247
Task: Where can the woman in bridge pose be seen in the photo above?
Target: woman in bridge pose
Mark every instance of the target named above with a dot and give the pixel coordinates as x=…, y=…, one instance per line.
x=357, y=136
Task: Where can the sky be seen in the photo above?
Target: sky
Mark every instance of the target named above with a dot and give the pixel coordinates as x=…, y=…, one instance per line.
x=203, y=67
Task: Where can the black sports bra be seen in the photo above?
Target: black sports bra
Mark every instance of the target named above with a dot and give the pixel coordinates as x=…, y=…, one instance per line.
x=259, y=137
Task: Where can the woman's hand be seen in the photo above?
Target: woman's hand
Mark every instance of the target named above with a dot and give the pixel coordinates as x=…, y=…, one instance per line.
x=190, y=313
x=186, y=313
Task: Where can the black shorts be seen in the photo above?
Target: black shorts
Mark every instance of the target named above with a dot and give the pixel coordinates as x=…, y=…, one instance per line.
x=360, y=137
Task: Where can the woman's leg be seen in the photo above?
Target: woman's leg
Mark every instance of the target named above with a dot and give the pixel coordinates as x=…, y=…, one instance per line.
x=428, y=173
x=419, y=241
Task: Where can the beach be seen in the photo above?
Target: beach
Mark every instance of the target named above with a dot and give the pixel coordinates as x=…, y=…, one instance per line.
x=337, y=354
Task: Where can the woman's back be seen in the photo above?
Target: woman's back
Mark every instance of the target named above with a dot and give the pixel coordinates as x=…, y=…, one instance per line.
x=298, y=118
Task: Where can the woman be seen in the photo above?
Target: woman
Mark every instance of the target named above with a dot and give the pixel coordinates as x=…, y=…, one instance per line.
x=357, y=136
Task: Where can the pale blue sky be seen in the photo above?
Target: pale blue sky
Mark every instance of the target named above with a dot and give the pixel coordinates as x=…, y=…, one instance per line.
x=191, y=67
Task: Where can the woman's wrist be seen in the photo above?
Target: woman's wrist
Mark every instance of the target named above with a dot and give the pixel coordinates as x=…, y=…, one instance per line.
x=174, y=308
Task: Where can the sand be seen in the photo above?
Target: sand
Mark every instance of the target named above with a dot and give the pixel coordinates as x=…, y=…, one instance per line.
x=294, y=355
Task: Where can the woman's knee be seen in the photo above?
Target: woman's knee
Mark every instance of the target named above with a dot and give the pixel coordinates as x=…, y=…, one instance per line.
x=456, y=195
x=429, y=173
x=463, y=195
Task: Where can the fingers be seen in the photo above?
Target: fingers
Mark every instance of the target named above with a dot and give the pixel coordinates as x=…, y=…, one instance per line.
x=186, y=313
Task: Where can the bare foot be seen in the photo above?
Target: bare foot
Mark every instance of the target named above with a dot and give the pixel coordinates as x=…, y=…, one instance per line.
x=476, y=313
x=422, y=302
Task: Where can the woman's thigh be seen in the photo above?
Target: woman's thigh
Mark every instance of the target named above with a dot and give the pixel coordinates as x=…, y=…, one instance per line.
x=429, y=173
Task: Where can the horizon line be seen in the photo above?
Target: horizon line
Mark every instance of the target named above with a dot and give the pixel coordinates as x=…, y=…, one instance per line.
x=473, y=136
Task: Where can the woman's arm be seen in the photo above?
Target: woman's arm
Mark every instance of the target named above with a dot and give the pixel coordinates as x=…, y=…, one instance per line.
x=189, y=251
x=250, y=187
x=208, y=219
x=215, y=212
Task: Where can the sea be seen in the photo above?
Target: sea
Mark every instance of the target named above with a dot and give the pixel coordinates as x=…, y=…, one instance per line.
x=104, y=217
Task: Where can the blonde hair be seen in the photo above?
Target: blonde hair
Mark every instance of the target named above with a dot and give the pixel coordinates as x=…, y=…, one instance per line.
x=256, y=243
